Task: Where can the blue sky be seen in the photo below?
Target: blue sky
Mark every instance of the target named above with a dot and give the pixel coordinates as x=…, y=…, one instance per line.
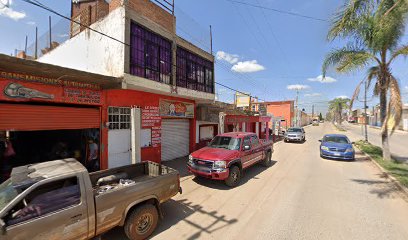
x=259, y=51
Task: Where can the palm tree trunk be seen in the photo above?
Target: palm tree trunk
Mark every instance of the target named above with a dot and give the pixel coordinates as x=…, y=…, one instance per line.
x=384, y=132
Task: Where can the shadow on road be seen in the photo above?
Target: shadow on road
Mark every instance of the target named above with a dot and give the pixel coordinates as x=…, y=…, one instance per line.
x=176, y=211
x=180, y=164
x=381, y=188
x=250, y=173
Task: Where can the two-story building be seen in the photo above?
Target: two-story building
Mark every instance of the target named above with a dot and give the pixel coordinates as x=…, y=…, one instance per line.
x=163, y=77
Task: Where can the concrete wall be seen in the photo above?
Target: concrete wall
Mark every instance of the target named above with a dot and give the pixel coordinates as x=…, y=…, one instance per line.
x=93, y=52
x=283, y=110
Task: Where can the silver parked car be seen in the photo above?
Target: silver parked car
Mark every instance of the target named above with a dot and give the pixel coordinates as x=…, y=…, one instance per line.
x=295, y=134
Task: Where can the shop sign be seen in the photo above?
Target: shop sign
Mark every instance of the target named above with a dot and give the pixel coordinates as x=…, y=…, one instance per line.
x=49, y=81
x=176, y=109
x=150, y=116
x=27, y=91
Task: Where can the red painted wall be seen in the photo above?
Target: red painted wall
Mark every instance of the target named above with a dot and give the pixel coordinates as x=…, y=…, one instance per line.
x=128, y=98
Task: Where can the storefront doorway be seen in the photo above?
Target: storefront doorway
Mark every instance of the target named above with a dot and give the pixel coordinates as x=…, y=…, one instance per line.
x=19, y=148
x=32, y=133
x=175, y=138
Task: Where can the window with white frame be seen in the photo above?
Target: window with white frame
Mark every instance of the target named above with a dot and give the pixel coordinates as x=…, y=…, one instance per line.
x=119, y=117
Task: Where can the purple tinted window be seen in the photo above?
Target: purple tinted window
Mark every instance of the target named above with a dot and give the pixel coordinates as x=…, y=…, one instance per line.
x=194, y=72
x=150, y=55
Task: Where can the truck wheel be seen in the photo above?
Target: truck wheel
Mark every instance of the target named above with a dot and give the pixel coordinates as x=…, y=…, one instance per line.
x=234, y=177
x=141, y=222
x=267, y=162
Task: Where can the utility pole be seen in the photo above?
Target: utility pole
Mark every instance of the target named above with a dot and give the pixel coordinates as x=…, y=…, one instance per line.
x=49, y=26
x=297, y=108
x=36, y=44
x=211, y=40
x=365, y=111
x=312, y=111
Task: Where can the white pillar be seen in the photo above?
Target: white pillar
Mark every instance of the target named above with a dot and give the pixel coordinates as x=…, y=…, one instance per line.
x=135, y=135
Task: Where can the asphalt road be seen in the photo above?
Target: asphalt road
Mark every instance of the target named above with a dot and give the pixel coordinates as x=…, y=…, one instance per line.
x=398, y=141
x=300, y=197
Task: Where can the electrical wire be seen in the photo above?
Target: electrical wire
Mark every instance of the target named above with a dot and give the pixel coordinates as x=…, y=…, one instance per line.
x=38, y=4
x=279, y=11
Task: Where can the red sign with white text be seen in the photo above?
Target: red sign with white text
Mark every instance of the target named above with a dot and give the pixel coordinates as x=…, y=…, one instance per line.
x=22, y=91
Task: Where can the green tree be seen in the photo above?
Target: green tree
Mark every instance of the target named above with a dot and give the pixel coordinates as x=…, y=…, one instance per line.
x=337, y=107
x=320, y=117
x=374, y=29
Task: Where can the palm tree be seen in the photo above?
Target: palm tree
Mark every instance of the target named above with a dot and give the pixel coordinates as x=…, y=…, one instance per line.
x=336, y=107
x=374, y=29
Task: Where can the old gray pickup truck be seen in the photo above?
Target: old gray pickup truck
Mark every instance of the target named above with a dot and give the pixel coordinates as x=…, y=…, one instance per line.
x=61, y=200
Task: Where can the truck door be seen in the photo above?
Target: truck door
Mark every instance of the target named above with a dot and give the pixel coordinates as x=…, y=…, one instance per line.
x=257, y=149
x=246, y=153
x=53, y=210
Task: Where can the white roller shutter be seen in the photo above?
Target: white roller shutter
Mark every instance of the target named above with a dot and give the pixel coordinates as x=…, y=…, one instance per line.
x=175, y=138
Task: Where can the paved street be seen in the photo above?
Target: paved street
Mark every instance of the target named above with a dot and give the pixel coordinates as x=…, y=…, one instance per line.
x=398, y=141
x=300, y=197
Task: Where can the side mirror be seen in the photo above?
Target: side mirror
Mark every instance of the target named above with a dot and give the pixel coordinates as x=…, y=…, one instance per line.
x=353, y=142
x=2, y=227
x=247, y=147
x=320, y=140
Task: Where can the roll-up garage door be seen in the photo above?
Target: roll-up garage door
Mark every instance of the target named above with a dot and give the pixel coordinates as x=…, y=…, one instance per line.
x=21, y=117
x=175, y=138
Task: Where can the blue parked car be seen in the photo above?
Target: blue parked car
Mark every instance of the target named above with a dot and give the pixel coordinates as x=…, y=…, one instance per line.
x=336, y=146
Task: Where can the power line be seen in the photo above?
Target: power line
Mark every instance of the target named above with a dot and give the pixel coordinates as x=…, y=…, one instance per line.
x=279, y=11
x=275, y=38
x=38, y=4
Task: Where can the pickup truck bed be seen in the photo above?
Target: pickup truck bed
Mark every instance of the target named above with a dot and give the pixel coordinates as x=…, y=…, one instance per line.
x=149, y=179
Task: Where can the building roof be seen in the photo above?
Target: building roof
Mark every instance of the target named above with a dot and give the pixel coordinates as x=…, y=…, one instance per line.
x=30, y=67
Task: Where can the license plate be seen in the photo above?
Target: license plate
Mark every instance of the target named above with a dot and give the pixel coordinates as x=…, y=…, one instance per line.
x=337, y=154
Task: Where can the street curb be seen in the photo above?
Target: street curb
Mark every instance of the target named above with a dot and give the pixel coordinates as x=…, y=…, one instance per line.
x=401, y=187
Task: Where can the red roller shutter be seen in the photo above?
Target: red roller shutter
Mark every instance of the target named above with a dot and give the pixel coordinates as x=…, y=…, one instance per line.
x=22, y=117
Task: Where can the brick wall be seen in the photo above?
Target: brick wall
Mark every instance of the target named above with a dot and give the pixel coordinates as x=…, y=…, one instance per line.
x=153, y=12
x=114, y=4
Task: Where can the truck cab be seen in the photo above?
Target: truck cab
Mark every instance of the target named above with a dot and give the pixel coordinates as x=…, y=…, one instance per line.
x=227, y=155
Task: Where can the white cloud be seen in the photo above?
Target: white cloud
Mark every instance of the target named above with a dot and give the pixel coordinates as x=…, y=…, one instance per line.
x=406, y=89
x=31, y=23
x=247, y=67
x=320, y=79
x=297, y=87
x=64, y=35
x=313, y=95
x=342, y=97
x=7, y=11
x=231, y=58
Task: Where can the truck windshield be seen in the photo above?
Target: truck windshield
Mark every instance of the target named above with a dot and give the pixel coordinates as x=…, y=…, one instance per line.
x=226, y=142
x=7, y=193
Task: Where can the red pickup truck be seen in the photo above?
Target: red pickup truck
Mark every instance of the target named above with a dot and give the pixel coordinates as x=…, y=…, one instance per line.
x=227, y=155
